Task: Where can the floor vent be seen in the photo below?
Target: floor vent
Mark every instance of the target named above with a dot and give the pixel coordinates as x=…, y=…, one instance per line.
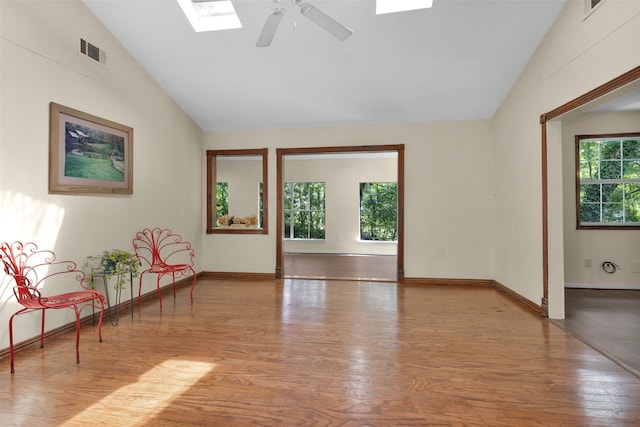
x=93, y=52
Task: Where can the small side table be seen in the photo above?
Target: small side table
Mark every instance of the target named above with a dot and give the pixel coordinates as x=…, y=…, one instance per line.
x=99, y=272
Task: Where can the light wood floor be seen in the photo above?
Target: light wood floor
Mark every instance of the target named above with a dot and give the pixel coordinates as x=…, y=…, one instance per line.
x=321, y=353
x=608, y=320
x=341, y=266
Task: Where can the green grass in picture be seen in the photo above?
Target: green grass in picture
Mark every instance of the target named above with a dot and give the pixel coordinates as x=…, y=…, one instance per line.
x=91, y=168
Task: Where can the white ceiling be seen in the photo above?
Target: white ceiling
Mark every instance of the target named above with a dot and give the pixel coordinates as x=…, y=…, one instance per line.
x=455, y=61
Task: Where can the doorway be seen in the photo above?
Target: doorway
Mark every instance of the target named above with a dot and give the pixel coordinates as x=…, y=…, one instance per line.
x=553, y=267
x=606, y=319
x=281, y=266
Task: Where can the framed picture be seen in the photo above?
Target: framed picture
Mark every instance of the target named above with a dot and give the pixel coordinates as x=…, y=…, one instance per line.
x=88, y=154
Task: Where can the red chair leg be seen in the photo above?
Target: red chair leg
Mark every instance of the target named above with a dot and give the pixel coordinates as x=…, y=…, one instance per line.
x=11, y=343
x=42, y=331
x=11, y=337
x=159, y=293
x=173, y=278
x=75, y=309
x=193, y=285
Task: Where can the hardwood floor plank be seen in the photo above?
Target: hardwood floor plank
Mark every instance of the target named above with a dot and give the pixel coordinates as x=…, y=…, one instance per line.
x=321, y=353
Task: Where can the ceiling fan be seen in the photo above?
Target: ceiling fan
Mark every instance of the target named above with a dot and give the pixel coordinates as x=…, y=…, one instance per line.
x=315, y=15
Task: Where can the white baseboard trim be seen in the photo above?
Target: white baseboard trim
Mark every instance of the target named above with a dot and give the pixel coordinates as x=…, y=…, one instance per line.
x=601, y=286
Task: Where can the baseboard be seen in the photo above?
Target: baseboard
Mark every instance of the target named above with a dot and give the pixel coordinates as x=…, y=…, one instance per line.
x=237, y=275
x=443, y=281
x=123, y=307
x=536, y=308
x=601, y=286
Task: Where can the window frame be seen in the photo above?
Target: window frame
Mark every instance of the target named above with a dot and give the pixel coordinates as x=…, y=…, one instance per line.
x=602, y=225
x=291, y=223
x=212, y=180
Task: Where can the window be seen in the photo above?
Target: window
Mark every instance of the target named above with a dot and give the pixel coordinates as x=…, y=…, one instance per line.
x=304, y=212
x=261, y=206
x=222, y=201
x=222, y=198
x=237, y=189
x=379, y=211
x=392, y=6
x=210, y=15
x=608, y=180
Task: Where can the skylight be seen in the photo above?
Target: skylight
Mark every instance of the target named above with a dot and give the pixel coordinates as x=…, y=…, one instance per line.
x=391, y=6
x=210, y=15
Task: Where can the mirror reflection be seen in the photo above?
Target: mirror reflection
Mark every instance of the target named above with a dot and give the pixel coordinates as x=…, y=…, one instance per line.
x=236, y=191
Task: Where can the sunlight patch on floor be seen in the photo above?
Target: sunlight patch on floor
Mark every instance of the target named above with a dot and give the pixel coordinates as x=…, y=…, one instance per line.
x=138, y=403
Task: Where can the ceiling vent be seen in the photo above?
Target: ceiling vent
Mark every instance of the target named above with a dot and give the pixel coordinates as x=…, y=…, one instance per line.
x=93, y=52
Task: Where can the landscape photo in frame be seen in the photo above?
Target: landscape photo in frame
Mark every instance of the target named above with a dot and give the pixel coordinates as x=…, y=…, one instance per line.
x=88, y=154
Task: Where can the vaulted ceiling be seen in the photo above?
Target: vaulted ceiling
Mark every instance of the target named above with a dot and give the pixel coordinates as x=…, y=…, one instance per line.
x=454, y=61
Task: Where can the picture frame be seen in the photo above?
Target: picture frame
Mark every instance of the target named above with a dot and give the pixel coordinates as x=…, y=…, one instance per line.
x=88, y=154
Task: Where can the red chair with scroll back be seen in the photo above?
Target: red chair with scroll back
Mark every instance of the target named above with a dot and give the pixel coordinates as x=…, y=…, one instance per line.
x=164, y=253
x=30, y=267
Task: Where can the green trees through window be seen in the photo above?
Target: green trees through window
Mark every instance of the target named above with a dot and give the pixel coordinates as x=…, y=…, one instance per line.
x=305, y=216
x=379, y=211
x=304, y=210
x=222, y=199
x=608, y=180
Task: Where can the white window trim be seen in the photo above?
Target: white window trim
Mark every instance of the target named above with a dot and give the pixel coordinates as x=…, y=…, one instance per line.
x=599, y=181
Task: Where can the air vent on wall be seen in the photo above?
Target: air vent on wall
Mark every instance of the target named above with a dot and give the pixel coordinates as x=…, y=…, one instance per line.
x=590, y=6
x=93, y=52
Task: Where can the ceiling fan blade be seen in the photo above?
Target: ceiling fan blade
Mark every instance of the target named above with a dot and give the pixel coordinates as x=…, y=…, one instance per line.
x=323, y=20
x=270, y=27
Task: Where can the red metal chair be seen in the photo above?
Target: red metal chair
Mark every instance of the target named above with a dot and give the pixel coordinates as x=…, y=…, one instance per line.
x=161, y=250
x=30, y=267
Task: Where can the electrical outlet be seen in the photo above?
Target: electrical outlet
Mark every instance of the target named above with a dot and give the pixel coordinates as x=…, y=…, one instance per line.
x=635, y=266
x=587, y=263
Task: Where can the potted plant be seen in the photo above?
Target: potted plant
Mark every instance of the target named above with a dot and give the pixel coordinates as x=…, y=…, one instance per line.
x=115, y=262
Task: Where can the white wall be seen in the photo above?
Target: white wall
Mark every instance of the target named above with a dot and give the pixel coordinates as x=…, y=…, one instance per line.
x=448, y=195
x=575, y=56
x=40, y=64
x=619, y=246
x=342, y=178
